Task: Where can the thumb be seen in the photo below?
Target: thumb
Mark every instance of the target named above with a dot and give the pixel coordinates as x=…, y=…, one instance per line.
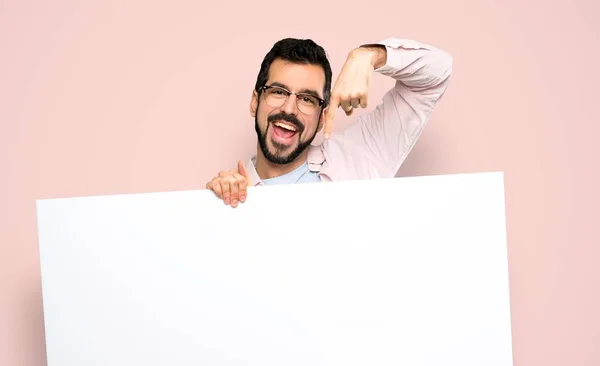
x=242, y=170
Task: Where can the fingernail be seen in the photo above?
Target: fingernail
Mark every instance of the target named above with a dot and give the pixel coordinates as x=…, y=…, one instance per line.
x=243, y=198
x=234, y=203
x=226, y=201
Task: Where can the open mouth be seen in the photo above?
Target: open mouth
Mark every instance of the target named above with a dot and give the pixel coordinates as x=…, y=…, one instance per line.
x=284, y=132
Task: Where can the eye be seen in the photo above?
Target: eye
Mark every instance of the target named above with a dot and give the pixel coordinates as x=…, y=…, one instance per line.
x=309, y=99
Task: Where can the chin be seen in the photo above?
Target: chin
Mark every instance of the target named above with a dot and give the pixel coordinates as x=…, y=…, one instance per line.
x=281, y=158
x=275, y=148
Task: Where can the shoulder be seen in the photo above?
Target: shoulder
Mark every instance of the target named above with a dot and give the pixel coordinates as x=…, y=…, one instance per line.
x=342, y=158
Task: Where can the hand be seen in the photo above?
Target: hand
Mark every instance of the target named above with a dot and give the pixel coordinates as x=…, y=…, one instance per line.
x=231, y=186
x=352, y=85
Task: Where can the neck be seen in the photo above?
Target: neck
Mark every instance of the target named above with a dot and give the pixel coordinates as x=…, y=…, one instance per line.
x=267, y=169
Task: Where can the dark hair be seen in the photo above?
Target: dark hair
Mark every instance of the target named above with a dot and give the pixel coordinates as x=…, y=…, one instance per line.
x=304, y=51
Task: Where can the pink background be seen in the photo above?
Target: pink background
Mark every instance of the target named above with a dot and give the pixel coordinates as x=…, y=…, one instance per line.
x=111, y=97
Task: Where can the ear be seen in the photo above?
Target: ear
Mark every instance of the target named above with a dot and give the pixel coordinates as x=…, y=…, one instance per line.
x=253, y=103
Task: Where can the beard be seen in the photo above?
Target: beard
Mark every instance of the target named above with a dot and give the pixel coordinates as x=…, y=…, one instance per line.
x=279, y=156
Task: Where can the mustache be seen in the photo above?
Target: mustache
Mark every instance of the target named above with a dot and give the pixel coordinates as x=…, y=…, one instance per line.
x=288, y=118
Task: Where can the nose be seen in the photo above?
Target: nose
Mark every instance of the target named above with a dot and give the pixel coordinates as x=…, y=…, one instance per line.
x=290, y=106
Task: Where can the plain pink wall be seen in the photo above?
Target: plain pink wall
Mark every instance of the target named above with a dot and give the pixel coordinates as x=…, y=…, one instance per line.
x=103, y=97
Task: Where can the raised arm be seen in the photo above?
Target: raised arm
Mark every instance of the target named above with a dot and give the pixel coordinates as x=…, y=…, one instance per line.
x=389, y=132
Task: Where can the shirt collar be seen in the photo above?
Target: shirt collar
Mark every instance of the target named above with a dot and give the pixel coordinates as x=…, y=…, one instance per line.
x=315, y=158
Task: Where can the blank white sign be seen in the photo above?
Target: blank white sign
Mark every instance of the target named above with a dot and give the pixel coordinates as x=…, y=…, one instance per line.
x=406, y=271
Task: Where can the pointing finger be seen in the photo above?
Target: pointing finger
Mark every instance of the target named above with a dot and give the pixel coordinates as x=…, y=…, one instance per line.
x=330, y=117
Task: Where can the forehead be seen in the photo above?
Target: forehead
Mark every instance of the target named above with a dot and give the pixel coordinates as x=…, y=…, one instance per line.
x=297, y=76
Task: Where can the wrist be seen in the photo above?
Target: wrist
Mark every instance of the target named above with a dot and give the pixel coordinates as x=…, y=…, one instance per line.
x=376, y=53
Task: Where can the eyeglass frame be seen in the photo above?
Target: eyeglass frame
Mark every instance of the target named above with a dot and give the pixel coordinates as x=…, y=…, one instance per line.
x=297, y=94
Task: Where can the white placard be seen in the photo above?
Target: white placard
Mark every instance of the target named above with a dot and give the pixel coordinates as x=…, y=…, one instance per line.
x=405, y=271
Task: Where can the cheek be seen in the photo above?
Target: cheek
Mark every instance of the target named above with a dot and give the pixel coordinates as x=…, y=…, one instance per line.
x=262, y=114
x=311, y=126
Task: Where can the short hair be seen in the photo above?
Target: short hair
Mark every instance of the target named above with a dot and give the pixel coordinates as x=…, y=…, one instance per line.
x=304, y=51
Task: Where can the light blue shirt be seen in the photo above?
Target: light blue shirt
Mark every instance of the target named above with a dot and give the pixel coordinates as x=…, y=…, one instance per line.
x=299, y=175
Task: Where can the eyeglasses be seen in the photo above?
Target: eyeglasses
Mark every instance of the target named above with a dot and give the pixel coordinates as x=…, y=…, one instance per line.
x=277, y=96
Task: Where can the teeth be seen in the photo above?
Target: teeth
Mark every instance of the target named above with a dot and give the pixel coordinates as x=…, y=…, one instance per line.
x=286, y=126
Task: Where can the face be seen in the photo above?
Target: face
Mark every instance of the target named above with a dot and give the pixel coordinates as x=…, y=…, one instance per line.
x=286, y=128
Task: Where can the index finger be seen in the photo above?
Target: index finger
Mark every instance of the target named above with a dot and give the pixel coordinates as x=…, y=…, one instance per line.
x=330, y=116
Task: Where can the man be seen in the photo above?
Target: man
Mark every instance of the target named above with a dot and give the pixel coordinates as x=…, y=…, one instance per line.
x=291, y=103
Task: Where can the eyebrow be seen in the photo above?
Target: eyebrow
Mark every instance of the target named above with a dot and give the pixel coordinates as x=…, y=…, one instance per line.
x=303, y=91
